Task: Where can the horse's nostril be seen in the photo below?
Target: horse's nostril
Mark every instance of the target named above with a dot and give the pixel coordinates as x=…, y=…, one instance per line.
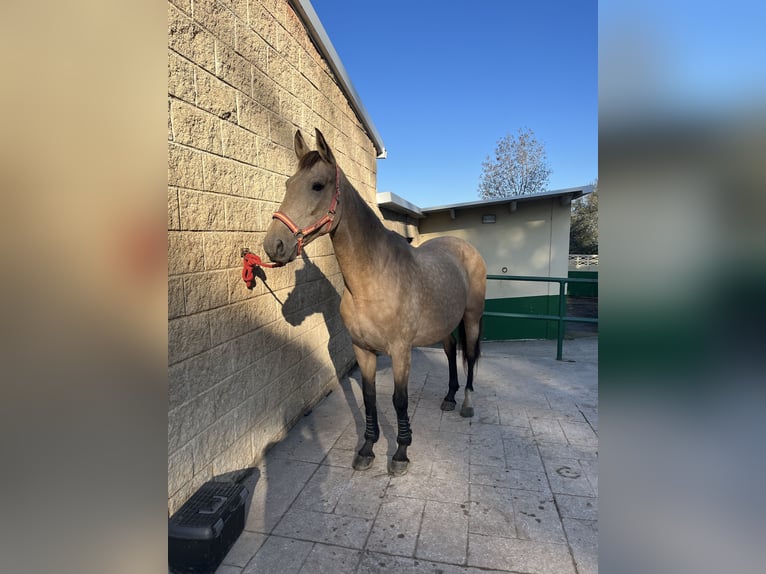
x=280, y=247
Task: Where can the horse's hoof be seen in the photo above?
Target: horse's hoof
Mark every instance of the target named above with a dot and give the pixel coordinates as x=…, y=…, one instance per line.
x=466, y=412
x=362, y=462
x=398, y=467
x=448, y=405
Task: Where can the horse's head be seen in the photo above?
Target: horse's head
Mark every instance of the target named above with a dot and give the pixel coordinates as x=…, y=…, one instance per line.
x=310, y=204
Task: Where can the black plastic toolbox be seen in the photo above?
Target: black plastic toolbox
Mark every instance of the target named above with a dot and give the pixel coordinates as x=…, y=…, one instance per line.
x=203, y=530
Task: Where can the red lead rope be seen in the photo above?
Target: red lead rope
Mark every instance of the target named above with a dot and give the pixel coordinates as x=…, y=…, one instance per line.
x=250, y=262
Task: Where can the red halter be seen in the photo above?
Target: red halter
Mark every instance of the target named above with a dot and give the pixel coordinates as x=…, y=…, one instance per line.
x=300, y=234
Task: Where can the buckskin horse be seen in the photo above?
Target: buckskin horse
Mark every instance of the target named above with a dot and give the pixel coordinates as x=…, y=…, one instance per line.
x=396, y=296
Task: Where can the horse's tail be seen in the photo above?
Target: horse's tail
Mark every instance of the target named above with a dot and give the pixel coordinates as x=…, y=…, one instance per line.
x=467, y=353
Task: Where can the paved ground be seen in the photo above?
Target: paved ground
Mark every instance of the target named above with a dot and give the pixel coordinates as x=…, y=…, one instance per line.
x=512, y=490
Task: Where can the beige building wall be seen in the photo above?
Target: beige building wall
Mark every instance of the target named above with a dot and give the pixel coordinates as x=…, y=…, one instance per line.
x=244, y=365
x=533, y=240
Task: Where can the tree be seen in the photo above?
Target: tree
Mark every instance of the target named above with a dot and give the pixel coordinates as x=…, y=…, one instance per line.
x=583, y=230
x=520, y=167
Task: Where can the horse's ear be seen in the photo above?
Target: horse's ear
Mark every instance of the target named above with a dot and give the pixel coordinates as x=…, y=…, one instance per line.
x=324, y=149
x=301, y=148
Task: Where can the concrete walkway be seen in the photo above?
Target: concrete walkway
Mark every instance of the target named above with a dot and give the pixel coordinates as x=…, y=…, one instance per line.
x=512, y=490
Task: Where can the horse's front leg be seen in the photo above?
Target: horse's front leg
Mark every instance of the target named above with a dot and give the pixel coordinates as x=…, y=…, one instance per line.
x=400, y=361
x=367, y=364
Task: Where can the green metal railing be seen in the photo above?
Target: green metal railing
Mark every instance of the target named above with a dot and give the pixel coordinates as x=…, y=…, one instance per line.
x=560, y=318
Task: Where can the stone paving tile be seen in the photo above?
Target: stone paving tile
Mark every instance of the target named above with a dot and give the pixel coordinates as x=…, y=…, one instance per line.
x=527, y=556
x=324, y=559
x=411, y=486
x=324, y=489
x=339, y=457
x=397, y=525
x=244, y=548
x=590, y=467
x=522, y=454
x=583, y=539
x=328, y=528
x=273, y=495
x=443, y=532
x=509, y=478
x=491, y=511
x=227, y=569
x=548, y=430
x=579, y=433
x=487, y=451
x=566, y=476
x=363, y=495
x=577, y=452
x=279, y=556
x=582, y=507
x=537, y=517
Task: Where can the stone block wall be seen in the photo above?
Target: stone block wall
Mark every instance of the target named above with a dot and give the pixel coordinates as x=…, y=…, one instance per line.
x=243, y=75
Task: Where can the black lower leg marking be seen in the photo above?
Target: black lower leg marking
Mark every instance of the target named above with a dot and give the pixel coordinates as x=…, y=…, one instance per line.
x=404, y=435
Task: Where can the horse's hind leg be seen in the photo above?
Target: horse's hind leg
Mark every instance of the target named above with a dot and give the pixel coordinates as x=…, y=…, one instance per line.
x=400, y=361
x=472, y=351
x=450, y=348
x=367, y=364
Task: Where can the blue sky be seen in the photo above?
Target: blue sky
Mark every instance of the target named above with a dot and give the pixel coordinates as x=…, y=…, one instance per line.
x=443, y=82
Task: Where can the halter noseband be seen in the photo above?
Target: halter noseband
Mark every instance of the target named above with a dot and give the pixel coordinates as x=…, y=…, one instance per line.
x=299, y=233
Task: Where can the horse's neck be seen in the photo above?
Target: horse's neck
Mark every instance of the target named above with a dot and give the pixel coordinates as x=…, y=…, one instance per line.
x=357, y=239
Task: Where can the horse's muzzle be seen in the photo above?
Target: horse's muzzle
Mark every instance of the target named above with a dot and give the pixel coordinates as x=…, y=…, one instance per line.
x=279, y=244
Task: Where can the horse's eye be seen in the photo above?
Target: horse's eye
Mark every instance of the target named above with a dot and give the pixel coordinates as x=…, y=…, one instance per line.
x=317, y=186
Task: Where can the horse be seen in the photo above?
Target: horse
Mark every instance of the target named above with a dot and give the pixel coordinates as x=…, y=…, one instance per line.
x=396, y=296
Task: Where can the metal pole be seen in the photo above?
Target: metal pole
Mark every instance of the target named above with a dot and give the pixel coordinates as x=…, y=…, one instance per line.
x=562, y=313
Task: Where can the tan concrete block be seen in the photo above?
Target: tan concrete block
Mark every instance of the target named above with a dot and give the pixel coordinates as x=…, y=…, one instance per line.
x=265, y=90
x=233, y=68
x=183, y=5
x=244, y=214
x=196, y=128
x=253, y=116
x=282, y=131
x=236, y=457
x=176, y=303
x=239, y=7
x=262, y=21
x=280, y=69
x=217, y=18
x=180, y=469
x=190, y=40
x=251, y=46
x=201, y=211
x=184, y=167
x=204, y=291
x=195, y=375
x=222, y=250
x=180, y=77
x=174, y=221
x=216, y=96
x=239, y=144
x=222, y=175
x=257, y=183
x=187, y=336
x=185, y=253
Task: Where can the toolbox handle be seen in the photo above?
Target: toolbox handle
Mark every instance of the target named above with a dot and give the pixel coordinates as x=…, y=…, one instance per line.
x=216, y=503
